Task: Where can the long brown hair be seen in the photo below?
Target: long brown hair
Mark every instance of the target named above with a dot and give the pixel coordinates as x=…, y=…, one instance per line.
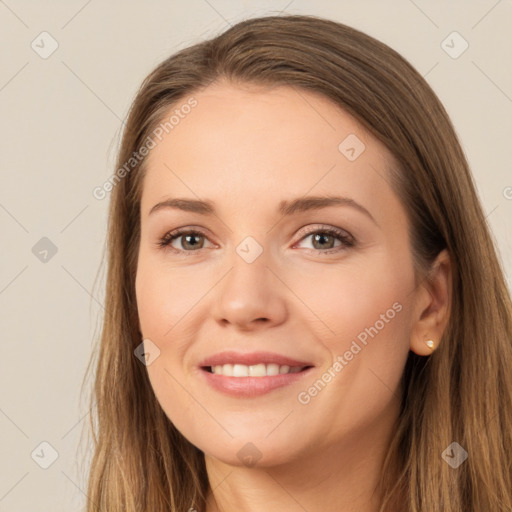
x=461, y=393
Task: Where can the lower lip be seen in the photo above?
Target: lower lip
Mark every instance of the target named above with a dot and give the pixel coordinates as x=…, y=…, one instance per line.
x=251, y=386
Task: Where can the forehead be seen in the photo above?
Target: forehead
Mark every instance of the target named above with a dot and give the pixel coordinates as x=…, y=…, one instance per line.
x=234, y=117
x=246, y=142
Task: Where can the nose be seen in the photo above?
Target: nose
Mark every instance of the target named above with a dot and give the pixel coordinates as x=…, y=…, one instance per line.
x=250, y=296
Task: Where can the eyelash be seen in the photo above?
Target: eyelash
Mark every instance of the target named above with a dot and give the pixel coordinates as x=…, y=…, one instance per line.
x=347, y=240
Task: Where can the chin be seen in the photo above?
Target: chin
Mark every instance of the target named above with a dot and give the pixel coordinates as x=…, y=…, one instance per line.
x=251, y=454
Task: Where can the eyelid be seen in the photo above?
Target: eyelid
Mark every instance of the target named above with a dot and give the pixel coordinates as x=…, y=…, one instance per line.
x=315, y=228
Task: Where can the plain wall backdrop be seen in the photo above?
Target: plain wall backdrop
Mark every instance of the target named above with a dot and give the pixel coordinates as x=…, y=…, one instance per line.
x=69, y=71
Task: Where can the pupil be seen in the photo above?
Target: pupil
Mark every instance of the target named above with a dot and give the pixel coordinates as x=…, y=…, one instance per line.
x=187, y=240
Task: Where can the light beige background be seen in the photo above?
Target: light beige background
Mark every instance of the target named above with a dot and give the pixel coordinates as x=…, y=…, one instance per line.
x=61, y=119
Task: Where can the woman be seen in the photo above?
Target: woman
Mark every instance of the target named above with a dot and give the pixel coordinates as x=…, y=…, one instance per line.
x=305, y=310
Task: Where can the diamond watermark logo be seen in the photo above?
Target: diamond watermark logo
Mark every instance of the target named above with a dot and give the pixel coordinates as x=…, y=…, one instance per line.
x=44, y=250
x=454, y=45
x=147, y=352
x=454, y=455
x=44, y=45
x=249, y=249
x=351, y=147
x=249, y=454
x=44, y=455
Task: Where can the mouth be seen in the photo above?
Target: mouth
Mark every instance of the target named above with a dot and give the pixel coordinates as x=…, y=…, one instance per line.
x=254, y=370
x=252, y=374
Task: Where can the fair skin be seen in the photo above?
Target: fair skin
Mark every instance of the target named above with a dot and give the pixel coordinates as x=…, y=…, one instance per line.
x=246, y=149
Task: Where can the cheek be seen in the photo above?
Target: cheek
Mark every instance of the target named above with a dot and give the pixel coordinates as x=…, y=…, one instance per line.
x=162, y=307
x=358, y=299
x=369, y=310
x=170, y=302
x=154, y=304
x=165, y=296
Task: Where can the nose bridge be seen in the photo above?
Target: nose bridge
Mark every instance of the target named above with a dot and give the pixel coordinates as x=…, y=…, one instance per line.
x=251, y=261
x=249, y=291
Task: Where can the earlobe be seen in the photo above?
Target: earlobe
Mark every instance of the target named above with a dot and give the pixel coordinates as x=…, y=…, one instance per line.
x=433, y=306
x=423, y=347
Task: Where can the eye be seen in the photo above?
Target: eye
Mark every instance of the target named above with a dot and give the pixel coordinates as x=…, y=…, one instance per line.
x=189, y=240
x=324, y=239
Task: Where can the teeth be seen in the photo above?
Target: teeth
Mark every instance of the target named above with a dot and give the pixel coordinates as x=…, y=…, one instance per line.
x=256, y=370
x=240, y=370
x=272, y=369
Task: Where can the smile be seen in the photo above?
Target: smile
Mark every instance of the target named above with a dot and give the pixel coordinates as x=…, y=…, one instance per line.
x=246, y=375
x=255, y=370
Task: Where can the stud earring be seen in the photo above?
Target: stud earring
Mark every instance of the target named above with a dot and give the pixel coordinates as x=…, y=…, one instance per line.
x=430, y=344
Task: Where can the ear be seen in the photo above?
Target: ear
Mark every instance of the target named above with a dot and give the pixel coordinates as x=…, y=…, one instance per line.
x=432, y=306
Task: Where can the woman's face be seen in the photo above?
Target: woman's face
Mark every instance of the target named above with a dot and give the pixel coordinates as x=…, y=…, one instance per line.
x=297, y=286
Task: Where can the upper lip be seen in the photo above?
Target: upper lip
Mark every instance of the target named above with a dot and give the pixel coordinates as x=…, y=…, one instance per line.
x=251, y=358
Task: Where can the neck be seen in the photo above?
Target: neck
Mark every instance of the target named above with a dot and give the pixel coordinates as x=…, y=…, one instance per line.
x=340, y=478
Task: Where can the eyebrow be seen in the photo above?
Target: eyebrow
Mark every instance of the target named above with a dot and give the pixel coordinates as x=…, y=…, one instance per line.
x=286, y=208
